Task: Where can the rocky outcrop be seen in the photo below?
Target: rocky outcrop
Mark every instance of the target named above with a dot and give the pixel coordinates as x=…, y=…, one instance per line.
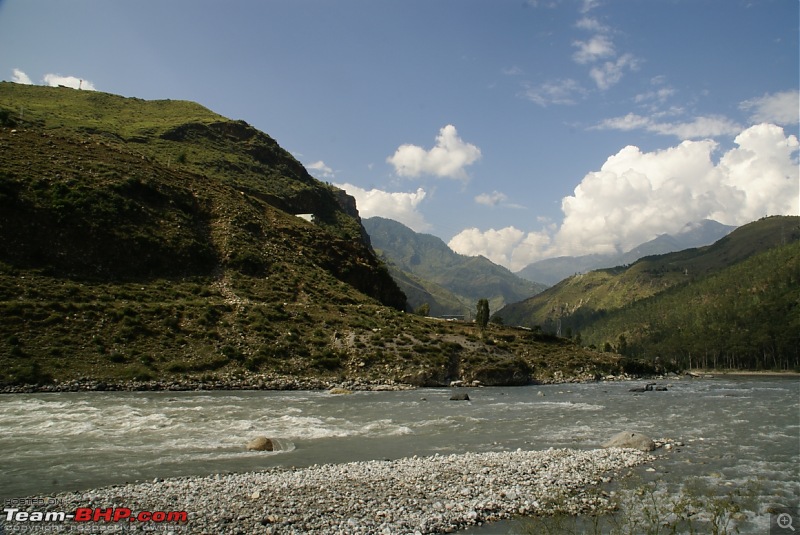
x=631, y=440
x=511, y=372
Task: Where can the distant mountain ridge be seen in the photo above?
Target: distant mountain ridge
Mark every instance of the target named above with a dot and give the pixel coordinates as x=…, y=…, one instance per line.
x=428, y=271
x=553, y=270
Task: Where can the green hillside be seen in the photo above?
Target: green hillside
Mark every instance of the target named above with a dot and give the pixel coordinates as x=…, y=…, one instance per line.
x=430, y=272
x=604, y=304
x=158, y=241
x=746, y=315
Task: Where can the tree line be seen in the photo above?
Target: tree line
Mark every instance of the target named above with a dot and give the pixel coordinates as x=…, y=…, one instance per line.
x=744, y=317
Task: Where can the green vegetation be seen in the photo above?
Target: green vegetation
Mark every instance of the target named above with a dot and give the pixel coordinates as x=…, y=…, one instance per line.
x=428, y=271
x=732, y=304
x=482, y=313
x=745, y=316
x=653, y=509
x=156, y=241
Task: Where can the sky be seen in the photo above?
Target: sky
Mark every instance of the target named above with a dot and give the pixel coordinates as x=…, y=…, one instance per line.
x=517, y=130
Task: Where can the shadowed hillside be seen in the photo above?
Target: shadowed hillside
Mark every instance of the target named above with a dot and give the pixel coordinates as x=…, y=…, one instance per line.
x=158, y=241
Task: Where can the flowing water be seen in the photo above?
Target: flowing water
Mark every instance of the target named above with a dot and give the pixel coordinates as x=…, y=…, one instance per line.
x=735, y=429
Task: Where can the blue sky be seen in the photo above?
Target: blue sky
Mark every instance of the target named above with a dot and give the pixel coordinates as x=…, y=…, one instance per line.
x=516, y=129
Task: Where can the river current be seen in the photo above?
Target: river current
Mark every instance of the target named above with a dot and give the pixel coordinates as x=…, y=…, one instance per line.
x=735, y=430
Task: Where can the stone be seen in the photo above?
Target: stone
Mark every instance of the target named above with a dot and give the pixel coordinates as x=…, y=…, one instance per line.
x=631, y=440
x=260, y=443
x=460, y=397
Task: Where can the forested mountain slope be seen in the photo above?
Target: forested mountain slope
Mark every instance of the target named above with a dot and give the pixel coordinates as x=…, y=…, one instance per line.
x=726, y=284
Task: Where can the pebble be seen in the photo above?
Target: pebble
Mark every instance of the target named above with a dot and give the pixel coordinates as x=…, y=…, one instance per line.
x=412, y=495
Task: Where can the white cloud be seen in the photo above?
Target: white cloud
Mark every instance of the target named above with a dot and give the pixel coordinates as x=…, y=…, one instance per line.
x=400, y=206
x=765, y=167
x=637, y=195
x=591, y=24
x=491, y=199
x=20, y=77
x=496, y=245
x=610, y=72
x=779, y=108
x=658, y=95
x=319, y=169
x=447, y=159
x=598, y=47
x=509, y=246
x=699, y=127
x=54, y=80
x=589, y=5
x=564, y=91
x=512, y=71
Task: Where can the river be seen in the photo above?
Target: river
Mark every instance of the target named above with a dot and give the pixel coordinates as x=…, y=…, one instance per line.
x=735, y=430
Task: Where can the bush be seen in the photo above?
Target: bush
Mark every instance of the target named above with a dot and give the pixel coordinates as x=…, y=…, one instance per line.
x=637, y=367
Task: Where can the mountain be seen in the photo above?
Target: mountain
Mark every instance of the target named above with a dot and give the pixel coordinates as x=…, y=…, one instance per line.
x=552, y=270
x=153, y=242
x=745, y=316
x=430, y=272
x=748, y=278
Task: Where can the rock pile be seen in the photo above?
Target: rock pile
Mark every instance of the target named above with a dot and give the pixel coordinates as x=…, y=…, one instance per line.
x=414, y=495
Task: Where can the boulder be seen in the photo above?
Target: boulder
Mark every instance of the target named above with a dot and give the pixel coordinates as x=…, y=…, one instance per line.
x=629, y=439
x=460, y=397
x=260, y=443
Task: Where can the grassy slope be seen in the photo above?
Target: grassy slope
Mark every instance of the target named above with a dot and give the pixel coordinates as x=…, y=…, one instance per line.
x=601, y=291
x=154, y=240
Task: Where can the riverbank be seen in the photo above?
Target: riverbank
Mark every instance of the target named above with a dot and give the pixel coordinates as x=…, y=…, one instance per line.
x=431, y=494
x=743, y=373
x=276, y=382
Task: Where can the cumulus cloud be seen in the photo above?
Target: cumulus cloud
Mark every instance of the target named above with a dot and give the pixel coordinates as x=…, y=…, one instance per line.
x=779, y=108
x=496, y=245
x=55, y=80
x=400, y=206
x=20, y=77
x=636, y=195
x=447, y=159
x=319, y=169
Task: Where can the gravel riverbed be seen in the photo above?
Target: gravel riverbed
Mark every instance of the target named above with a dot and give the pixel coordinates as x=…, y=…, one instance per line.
x=436, y=494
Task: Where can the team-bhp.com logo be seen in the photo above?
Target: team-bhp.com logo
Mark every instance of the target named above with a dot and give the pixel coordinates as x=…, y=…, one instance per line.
x=16, y=519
